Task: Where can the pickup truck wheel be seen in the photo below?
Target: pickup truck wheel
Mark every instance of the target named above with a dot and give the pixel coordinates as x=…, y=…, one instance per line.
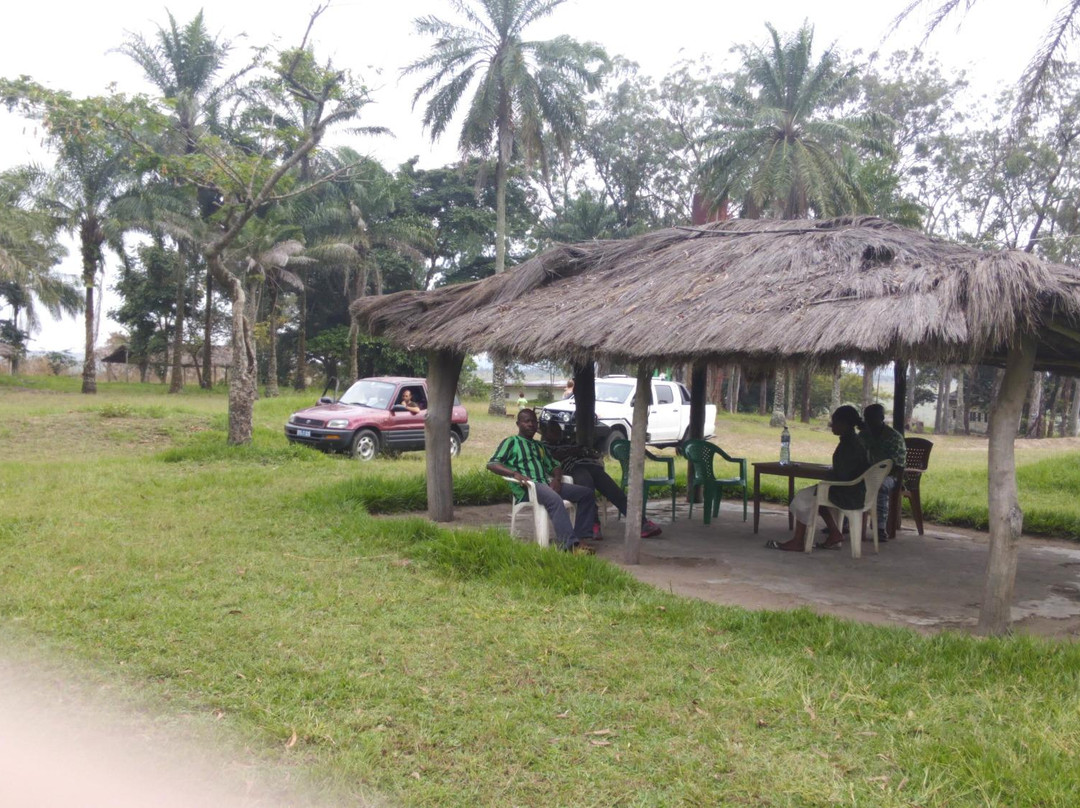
x=616, y=434
x=365, y=445
x=455, y=444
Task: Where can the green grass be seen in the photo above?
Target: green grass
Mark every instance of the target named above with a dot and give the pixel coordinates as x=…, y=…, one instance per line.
x=459, y=667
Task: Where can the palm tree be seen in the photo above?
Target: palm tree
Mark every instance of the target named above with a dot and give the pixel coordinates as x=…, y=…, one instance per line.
x=1044, y=64
x=527, y=94
x=777, y=148
x=183, y=63
x=87, y=191
x=29, y=252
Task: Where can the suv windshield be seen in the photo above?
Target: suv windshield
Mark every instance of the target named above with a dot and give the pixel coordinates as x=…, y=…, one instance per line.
x=613, y=392
x=368, y=393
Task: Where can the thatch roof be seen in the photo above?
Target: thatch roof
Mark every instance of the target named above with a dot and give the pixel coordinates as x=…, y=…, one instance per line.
x=759, y=291
x=220, y=356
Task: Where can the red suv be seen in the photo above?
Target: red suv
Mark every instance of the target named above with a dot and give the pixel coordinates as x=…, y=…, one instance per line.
x=370, y=418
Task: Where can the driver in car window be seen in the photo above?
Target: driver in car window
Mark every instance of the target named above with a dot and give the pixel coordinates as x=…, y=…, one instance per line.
x=408, y=402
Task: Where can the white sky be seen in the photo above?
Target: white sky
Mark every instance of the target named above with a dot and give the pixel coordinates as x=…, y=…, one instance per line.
x=65, y=44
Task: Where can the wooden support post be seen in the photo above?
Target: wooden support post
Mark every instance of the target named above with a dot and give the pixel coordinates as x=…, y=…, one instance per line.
x=584, y=403
x=444, y=367
x=635, y=496
x=1006, y=518
x=899, y=414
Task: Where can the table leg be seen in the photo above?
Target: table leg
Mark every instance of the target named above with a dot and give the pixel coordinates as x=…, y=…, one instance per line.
x=790, y=496
x=757, y=498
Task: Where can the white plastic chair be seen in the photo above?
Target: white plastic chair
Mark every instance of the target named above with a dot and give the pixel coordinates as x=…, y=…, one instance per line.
x=540, y=515
x=872, y=478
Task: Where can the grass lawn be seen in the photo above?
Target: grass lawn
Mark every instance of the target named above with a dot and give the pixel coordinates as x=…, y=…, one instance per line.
x=429, y=666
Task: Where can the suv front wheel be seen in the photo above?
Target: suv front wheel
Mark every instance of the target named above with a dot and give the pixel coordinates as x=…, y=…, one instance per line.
x=455, y=444
x=365, y=445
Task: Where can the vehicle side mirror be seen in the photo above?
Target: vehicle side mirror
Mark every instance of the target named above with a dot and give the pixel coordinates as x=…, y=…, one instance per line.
x=326, y=400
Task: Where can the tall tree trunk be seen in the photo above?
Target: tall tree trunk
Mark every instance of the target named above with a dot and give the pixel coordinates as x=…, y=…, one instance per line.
x=208, y=333
x=734, y=385
x=300, y=380
x=1052, y=406
x=1005, y=517
x=176, y=384
x=585, y=404
x=867, y=386
x=497, y=404
x=91, y=251
x=271, y=348
x=243, y=372
x=804, y=406
x=948, y=409
x=763, y=396
x=444, y=368
x=1035, y=419
x=777, y=418
x=961, y=407
x=834, y=398
x=789, y=394
x=1074, y=411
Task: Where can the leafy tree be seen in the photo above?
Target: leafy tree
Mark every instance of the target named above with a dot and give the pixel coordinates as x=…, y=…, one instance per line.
x=527, y=94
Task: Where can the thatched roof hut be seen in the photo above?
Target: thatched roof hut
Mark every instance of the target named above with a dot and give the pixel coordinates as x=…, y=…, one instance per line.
x=765, y=293
x=756, y=291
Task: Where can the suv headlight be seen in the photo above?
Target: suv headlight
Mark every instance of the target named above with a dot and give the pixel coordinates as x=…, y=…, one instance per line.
x=337, y=423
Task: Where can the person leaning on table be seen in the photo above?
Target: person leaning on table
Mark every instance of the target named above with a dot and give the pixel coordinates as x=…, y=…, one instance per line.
x=523, y=458
x=849, y=460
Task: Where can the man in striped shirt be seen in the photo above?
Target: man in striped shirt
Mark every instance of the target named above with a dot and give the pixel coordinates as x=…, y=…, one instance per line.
x=523, y=458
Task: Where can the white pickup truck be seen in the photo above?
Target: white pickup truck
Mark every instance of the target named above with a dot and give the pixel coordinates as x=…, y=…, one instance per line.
x=669, y=412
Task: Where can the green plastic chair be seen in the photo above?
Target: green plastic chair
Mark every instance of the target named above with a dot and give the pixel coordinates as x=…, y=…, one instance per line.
x=702, y=455
x=620, y=450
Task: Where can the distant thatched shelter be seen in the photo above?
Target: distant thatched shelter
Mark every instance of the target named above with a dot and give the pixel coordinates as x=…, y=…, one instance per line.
x=192, y=362
x=768, y=293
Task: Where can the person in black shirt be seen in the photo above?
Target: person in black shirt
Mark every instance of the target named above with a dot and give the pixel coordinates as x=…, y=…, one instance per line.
x=848, y=462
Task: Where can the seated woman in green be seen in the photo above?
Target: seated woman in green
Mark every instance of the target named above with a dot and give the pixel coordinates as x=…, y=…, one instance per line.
x=848, y=462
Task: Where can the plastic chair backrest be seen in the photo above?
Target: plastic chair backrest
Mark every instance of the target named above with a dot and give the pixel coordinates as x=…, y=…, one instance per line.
x=701, y=454
x=918, y=460
x=873, y=478
x=620, y=450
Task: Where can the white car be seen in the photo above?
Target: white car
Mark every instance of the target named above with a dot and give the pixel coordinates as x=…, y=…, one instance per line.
x=669, y=412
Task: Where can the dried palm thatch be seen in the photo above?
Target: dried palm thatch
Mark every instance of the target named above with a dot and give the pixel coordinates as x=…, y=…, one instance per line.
x=761, y=291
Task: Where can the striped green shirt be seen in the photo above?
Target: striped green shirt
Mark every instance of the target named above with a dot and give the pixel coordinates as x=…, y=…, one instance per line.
x=526, y=457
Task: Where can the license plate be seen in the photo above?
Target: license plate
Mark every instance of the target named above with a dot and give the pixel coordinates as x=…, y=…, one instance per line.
x=303, y=433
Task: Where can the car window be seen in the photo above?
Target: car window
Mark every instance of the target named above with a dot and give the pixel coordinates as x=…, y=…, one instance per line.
x=418, y=396
x=662, y=394
x=684, y=393
x=369, y=393
x=613, y=392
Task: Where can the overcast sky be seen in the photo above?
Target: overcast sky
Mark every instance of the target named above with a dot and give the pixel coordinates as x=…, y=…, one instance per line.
x=66, y=45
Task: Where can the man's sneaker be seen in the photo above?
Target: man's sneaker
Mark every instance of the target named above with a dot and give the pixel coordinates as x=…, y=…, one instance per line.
x=649, y=529
x=596, y=533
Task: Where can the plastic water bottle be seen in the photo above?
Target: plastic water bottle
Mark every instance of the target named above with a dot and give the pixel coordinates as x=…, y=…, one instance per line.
x=785, y=447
